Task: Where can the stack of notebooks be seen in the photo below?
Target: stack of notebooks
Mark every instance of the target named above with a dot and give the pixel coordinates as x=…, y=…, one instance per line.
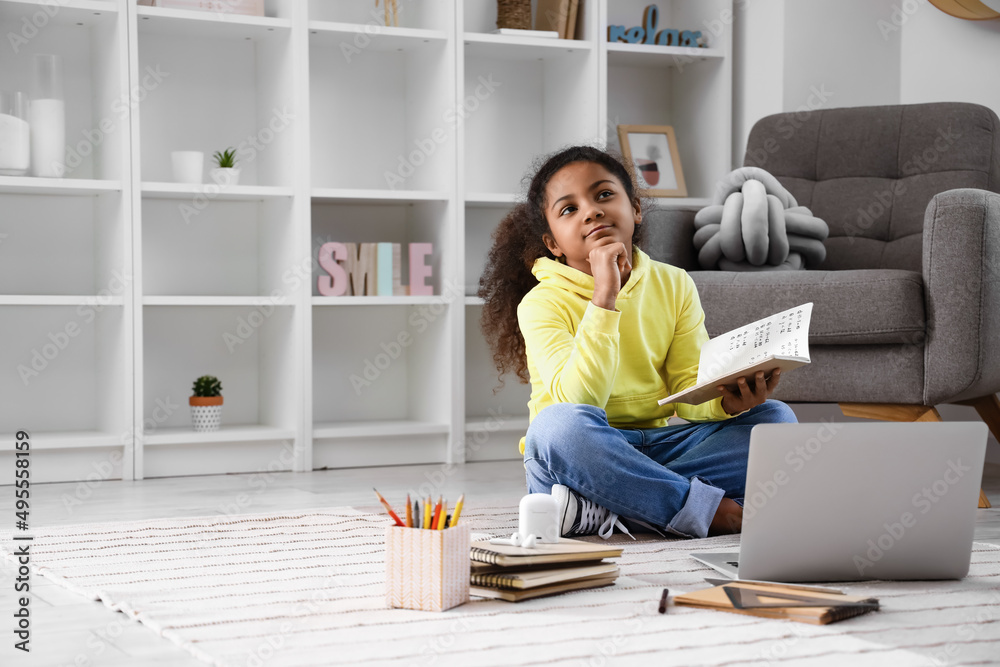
x=515, y=573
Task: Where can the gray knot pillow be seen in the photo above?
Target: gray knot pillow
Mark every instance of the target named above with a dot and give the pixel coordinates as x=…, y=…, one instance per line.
x=755, y=224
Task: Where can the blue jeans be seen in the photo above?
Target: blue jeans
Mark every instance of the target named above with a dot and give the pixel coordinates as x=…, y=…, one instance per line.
x=672, y=477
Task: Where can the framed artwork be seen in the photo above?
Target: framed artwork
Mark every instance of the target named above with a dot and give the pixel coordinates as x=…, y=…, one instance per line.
x=652, y=152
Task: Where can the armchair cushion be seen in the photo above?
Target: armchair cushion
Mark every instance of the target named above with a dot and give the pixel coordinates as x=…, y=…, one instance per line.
x=864, y=307
x=870, y=172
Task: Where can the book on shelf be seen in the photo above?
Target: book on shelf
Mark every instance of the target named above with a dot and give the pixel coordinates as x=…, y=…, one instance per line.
x=777, y=601
x=574, y=6
x=566, y=550
x=552, y=15
x=779, y=341
x=516, y=32
x=540, y=591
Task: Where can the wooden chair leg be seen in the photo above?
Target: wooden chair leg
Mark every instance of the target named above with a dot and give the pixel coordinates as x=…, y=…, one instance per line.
x=898, y=412
x=988, y=408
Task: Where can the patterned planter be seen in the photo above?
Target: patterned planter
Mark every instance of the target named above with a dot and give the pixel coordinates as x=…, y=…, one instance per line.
x=206, y=412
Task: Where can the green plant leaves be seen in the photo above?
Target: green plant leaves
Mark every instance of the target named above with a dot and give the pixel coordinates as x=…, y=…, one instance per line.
x=225, y=159
x=207, y=385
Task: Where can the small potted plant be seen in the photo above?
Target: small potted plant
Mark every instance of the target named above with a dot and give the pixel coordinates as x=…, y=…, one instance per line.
x=226, y=173
x=206, y=404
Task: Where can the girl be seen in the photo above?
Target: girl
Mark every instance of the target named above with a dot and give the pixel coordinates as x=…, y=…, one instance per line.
x=602, y=332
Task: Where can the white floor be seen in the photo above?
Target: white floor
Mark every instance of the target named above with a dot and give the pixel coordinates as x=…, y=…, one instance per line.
x=67, y=630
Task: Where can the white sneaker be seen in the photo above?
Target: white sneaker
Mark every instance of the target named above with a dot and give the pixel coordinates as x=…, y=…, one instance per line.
x=579, y=516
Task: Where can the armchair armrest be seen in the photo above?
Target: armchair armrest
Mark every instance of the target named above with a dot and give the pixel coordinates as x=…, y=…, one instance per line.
x=961, y=272
x=670, y=236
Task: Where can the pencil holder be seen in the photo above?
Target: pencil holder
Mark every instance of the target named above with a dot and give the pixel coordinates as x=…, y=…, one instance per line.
x=427, y=569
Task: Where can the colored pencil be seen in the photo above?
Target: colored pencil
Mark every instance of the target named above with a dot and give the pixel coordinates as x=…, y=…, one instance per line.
x=388, y=508
x=427, y=512
x=441, y=516
x=409, y=512
x=434, y=516
x=457, y=511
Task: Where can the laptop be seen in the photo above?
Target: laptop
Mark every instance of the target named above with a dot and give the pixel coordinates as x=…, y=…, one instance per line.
x=855, y=501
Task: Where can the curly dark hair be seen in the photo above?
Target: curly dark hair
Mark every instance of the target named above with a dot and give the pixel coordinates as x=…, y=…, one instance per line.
x=517, y=243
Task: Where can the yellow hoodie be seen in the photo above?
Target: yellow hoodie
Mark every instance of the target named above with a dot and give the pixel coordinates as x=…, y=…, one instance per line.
x=624, y=360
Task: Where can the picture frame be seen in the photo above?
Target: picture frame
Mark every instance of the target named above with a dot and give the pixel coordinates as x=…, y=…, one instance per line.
x=652, y=152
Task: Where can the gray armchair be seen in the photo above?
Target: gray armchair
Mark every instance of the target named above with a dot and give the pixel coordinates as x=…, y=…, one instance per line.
x=907, y=301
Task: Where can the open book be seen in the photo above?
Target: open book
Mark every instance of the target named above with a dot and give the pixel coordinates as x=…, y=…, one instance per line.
x=779, y=341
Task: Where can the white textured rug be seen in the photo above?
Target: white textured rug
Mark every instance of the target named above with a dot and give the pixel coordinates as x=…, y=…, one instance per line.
x=306, y=588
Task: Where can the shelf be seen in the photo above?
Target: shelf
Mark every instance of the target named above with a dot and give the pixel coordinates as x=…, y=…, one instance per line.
x=371, y=196
x=505, y=47
x=392, y=428
x=213, y=192
x=208, y=24
x=650, y=55
x=214, y=301
x=507, y=424
x=59, y=300
x=376, y=300
x=30, y=185
x=491, y=199
x=69, y=440
x=379, y=38
x=235, y=433
x=66, y=12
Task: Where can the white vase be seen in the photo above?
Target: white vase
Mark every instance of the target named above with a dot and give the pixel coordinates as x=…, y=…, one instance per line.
x=15, y=138
x=226, y=176
x=189, y=166
x=206, y=417
x=47, y=118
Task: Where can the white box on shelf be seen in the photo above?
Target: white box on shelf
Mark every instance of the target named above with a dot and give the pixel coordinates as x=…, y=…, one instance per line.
x=245, y=7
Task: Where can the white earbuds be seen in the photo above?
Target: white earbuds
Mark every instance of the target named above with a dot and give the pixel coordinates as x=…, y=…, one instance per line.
x=516, y=540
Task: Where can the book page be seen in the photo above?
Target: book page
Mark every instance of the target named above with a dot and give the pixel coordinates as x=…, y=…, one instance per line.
x=785, y=334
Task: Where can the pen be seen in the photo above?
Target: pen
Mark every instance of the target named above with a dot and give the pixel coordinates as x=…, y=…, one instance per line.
x=457, y=511
x=388, y=508
x=409, y=512
x=663, y=601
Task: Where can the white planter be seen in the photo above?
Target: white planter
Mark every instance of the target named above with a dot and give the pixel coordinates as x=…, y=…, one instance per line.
x=206, y=417
x=189, y=166
x=226, y=177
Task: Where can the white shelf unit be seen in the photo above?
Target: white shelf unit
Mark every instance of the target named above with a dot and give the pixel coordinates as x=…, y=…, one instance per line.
x=65, y=259
x=349, y=131
x=217, y=291
x=687, y=88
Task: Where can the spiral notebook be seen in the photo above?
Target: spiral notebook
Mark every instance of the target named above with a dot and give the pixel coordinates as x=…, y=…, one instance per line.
x=525, y=579
x=540, y=591
x=566, y=550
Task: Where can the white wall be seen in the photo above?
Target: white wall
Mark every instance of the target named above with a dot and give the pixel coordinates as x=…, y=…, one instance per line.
x=756, y=52
x=857, y=53
x=811, y=54
x=948, y=59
